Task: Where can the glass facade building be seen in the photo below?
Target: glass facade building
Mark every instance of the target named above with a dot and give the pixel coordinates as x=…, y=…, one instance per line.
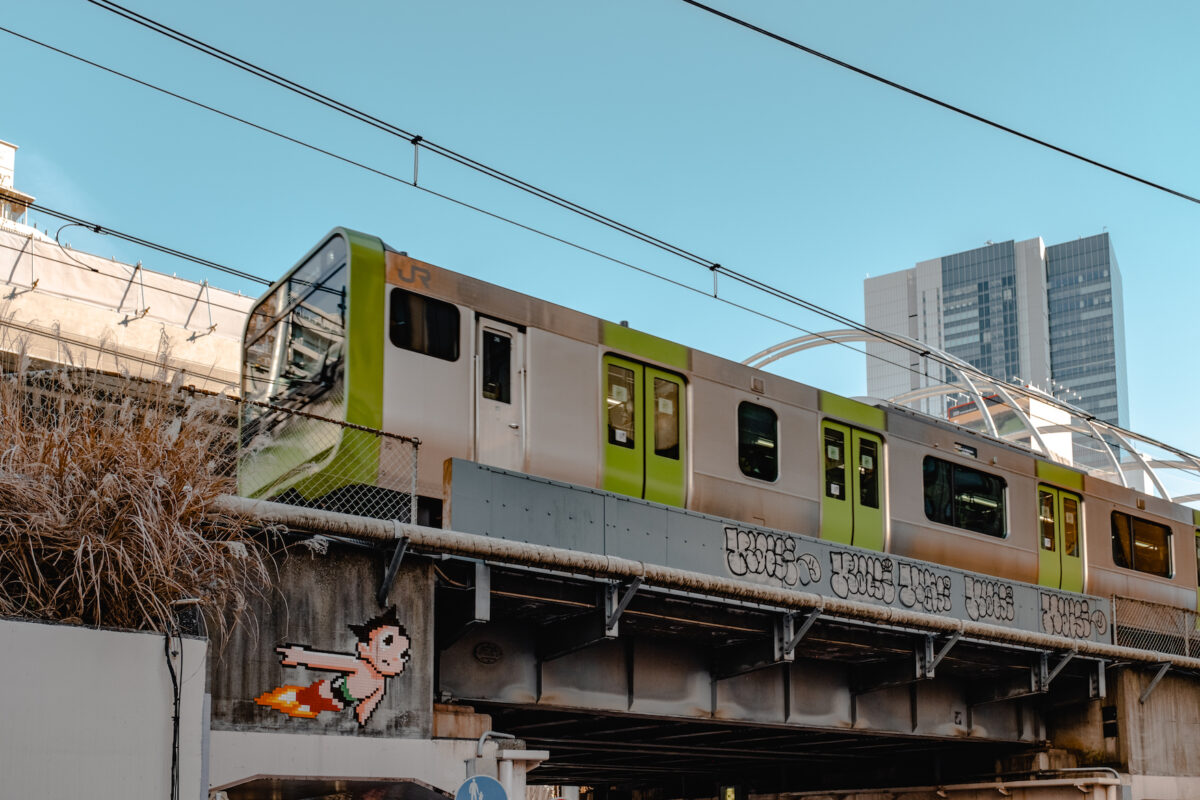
x=1087, y=335
x=979, y=309
x=1018, y=310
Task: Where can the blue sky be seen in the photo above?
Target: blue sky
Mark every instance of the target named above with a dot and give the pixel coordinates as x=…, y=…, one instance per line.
x=736, y=148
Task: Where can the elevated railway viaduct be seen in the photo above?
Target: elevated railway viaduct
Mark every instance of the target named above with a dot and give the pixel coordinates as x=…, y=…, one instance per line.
x=824, y=671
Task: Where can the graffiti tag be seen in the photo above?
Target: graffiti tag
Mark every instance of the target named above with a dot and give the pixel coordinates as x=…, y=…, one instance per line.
x=770, y=555
x=989, y=600
x=862, y=575
x=925, y=589
x=1071, y=616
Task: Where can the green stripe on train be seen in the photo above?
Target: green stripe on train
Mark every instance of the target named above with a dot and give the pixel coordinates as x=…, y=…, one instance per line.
x=357, y=458
x=847, y=410
x=645, y=346
x=1059, y=475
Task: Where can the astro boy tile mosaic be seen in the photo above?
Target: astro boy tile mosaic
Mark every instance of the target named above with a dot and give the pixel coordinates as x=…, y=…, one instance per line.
x=382, y=652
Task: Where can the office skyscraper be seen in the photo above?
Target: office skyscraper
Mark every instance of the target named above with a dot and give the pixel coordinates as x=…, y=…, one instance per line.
x=1048, y=316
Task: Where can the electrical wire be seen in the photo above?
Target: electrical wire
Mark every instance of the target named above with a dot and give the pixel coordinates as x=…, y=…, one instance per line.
x=940, y=103
x=884, y=337
x=717, y=268
x=478, y=209
x=96, y=228
x=419, y=141
x=176, y=696
x=416, y=139
x=390, y=128
x=75, y=263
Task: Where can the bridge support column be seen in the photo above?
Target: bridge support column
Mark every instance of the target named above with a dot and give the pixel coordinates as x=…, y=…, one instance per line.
x=512, y=766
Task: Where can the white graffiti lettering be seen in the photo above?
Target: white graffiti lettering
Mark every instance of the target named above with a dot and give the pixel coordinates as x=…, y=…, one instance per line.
x=770, y=555
x=862, y=575
x=989, y=599
x=1071, y=616
x=925, y=589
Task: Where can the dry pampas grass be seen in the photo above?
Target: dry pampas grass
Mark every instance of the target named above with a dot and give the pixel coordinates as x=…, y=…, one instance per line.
x=106, y=491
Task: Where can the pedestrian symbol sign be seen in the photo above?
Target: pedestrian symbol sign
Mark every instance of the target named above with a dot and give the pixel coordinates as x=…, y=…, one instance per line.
x=481, y=787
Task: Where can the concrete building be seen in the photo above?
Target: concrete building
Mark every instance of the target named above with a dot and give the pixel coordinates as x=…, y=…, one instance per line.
x=1050, y=317
x=64, y=306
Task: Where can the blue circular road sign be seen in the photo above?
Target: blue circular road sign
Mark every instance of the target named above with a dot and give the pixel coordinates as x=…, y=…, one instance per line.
x=481, y=787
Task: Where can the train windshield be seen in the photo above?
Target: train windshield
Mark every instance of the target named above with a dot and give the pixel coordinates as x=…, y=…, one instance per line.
x=294, y=351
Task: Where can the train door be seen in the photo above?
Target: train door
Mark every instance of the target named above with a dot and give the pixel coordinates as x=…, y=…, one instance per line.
x=1060, y=546
x=645, y=432
x=499, y=395
x=852, y=498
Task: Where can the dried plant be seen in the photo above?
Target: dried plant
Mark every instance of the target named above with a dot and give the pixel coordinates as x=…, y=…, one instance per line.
x=106, y=492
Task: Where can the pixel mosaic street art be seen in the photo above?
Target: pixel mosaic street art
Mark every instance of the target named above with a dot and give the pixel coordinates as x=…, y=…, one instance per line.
x=383, y=650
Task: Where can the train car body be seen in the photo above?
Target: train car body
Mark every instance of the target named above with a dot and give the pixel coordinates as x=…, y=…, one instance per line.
x=363, y=333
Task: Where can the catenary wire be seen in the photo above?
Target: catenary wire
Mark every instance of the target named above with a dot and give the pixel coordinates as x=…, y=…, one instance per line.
x=415, y=139
x=754, y=283
x=387, y=127
x=75, y=264
x=204, y=106
x=392, y=177
x=419, y=141
x=96, y=228
x=940, y=103
x=884, y=336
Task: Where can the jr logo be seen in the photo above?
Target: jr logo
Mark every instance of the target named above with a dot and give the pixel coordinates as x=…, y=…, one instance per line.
x=410, y=271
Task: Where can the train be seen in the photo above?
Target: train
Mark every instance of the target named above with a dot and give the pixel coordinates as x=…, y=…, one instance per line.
x=364, y=334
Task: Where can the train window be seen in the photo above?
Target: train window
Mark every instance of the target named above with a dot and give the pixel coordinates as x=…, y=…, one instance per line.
x=1046, y=519
x=497, y=367
x=868, y=474
x=1141, y=545
x=622, y=430
x=1070, y=525
x=666, y=419
x=835, y=464
x=758, y=437
x=424, y=325
x=964, y=497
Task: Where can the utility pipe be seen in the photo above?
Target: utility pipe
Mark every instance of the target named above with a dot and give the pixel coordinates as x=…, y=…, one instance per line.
x=312, y=520
x=1110, y=786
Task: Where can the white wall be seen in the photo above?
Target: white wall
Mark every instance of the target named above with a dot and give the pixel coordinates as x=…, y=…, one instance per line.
x=102, y=310
x=87, y=713
x=886, y=306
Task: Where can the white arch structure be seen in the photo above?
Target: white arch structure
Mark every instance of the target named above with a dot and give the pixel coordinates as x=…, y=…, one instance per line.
x=969, y=382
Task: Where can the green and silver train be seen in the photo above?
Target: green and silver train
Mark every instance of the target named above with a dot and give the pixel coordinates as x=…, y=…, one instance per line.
x=364, y=334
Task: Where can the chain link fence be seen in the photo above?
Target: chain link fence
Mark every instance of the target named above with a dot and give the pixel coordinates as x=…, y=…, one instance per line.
x=299, y=458
x=273, y=452
x=1153, y=626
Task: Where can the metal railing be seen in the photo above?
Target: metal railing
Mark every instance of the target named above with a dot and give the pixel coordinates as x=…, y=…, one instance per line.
x=1152, y=626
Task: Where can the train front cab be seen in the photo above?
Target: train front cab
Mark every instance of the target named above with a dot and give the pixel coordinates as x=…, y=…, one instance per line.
x=308, y=347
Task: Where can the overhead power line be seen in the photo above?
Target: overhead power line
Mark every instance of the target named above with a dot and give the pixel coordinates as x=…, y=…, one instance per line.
x=417, y=140
x=716, y=268
x=935, y=101
x=171, y=251
x=387, y=127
